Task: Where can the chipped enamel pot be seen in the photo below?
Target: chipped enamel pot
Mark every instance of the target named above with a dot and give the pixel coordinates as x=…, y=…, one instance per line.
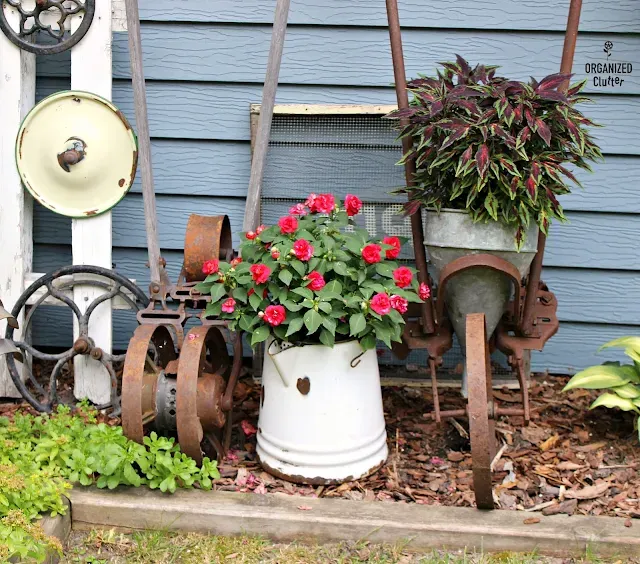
x=76, y=154
x=321, y=416
x=452, y=234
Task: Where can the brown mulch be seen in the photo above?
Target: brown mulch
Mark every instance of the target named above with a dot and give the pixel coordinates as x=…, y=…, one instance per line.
x=568, y=460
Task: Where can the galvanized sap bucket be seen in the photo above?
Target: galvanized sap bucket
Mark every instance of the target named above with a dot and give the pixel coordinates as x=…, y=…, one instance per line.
x=452, y=234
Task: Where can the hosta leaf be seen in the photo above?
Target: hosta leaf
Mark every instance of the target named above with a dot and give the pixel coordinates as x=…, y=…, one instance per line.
x=628, y=391
x=599, y=377
x=631, y=342
x=612, y=400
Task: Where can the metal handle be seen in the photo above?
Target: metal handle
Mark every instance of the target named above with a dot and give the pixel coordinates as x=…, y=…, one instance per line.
x=72, y=156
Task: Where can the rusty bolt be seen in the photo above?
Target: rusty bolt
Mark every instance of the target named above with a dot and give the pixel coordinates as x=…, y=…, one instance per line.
x=81, y=346
x=96, y=353
x=154, y=288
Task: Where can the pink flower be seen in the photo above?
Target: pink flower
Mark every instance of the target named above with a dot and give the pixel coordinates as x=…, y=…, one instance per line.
x=298, y=209
x=324, y=203
x=288, y=224
x=353, y=204
x=260, y=229
x=392, y=253
x=424, y=292
x=381, y=304
x=274, y=315
x=236, y=261
x=310, y=201
x=260, y=273
x=303, y=249
x=317, y=281
x=210, y=266
x=399, y=304
x=251, y=235
x=275, y=253
x=371, y=253
x=247, y=428
x=229, y=305
x=402, y=276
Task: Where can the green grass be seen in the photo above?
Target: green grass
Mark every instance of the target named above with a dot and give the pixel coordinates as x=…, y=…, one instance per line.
x=158, y=547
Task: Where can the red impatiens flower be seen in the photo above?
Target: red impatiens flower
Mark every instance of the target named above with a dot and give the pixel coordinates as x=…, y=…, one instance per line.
x=298, y=209
x=211, y=266
x=260, y=229
x=260, y=273
x=399, y=304
x=288, y=224
x=424, y=292
x=392, y=253
x=381, y=304
x=236, y=261
x=371, y=253
x=274, y=315
x=303, y=249
x=402, y=276
x=275, y=253
x=352, y=204
x=251, y=235
x=229, y=305
x=324, y=203
x=317, y=281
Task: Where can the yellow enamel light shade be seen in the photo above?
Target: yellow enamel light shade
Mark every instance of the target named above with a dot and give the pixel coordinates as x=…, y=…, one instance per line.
x=76, y=154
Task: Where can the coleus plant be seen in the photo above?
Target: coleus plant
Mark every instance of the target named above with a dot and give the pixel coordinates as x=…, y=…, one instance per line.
x=497, y=148
x=314, y=278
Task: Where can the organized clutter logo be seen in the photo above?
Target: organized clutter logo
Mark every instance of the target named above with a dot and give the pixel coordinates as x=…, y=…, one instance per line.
x=608, y=72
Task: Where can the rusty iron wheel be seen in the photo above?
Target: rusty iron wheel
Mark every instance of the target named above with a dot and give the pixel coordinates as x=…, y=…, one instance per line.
x=481, y=424
x=203, y=372
x=150, y=350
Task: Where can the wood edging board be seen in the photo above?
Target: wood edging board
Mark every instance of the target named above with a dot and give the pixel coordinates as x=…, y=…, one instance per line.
x=284, y=518
x=325, y=109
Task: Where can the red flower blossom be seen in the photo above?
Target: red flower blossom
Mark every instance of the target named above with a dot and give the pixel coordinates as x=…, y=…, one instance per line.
x=288, y=224
x=424, y=292
x=210, y=266
x=353, y=204
x=402, y=276
x=298, y=209
x=260, y=229
x=251, y=235
x=324, y=203
x=317, y=281
x=303, y=249
x=260, y=273
x=371, y=253
x=392, y=253
x=274, y=315
x=236, y=261
x=229, y=305
x=381, y=304
x=275, y=253
x=399, y=304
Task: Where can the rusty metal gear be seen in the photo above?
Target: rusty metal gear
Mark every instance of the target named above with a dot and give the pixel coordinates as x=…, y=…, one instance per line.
x=204, y=381
x=481, y=423
x=150, y=357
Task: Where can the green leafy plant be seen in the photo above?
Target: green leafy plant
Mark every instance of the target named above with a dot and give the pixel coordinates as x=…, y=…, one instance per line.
x=23, y=540
x=314, y=278
x=622, y=380
x=495, y=147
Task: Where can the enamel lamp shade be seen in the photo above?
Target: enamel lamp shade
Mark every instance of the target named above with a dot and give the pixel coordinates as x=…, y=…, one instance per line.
x=76, y=154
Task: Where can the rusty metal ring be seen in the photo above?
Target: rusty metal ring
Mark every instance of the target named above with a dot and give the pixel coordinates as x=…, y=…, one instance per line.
x=481, y=427
x=194, y=364
x=136, y=364
x=206, y=238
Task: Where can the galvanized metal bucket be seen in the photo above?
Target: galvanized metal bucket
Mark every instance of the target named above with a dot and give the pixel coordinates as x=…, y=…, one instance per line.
x=451, y=234
x=321, y=416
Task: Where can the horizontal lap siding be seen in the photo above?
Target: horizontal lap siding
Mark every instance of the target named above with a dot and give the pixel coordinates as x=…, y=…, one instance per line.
x=204, y=67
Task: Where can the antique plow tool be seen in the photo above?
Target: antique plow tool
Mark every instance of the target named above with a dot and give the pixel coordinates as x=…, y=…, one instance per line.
x=529, y=322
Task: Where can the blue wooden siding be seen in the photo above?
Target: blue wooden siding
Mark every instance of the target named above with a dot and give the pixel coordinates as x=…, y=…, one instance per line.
x=204, y=66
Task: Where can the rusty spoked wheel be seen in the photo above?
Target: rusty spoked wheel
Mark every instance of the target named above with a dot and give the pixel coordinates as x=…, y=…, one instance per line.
x=56, y=289
x=481, y=423
x=148, y=382
x=204, y=398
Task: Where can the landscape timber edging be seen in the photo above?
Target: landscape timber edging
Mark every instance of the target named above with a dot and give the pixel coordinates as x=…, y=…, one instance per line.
x=284, y=518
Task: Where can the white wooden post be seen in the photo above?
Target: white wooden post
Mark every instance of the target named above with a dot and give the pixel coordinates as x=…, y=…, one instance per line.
x=17, y=97
x=91, y=238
